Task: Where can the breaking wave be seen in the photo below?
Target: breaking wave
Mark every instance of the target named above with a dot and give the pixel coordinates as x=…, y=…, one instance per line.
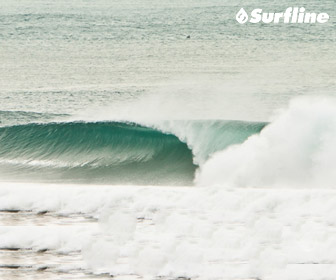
x=115, y=152
x=297, y=149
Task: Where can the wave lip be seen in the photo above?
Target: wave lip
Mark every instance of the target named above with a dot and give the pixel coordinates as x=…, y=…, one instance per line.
x=206, y=137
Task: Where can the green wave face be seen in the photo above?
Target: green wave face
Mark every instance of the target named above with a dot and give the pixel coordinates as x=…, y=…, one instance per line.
x=110, y=152
x=114, y=153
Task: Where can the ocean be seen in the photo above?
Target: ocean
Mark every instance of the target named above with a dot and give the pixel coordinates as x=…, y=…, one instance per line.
x=164, y=140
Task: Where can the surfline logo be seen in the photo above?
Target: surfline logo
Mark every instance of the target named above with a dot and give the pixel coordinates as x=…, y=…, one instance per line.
x=291, y=15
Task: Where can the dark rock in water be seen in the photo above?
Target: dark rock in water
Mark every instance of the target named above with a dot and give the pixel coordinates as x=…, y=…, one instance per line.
x=10, y=249
x=42, y=250
x=188, y=37
x=10, y=266
x=42, y=268
x=10, y=210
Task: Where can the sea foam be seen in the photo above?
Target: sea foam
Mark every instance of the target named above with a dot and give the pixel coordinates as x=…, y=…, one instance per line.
x=296, y=150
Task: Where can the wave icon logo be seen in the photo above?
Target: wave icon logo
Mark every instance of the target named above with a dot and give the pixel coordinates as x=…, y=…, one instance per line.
x=242, y=16
x=289, y=16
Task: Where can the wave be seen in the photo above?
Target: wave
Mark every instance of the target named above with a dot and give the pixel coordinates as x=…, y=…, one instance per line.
x=115, y=152
x=295, y=150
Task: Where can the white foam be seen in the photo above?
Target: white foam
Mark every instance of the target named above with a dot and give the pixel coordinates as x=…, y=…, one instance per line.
x=296, y=150
x=203, y=233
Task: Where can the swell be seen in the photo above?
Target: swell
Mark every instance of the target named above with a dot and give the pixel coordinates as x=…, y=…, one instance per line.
x=114, y=152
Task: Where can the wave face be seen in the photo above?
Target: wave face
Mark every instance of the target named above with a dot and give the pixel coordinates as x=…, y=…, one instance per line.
x=114, y=152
